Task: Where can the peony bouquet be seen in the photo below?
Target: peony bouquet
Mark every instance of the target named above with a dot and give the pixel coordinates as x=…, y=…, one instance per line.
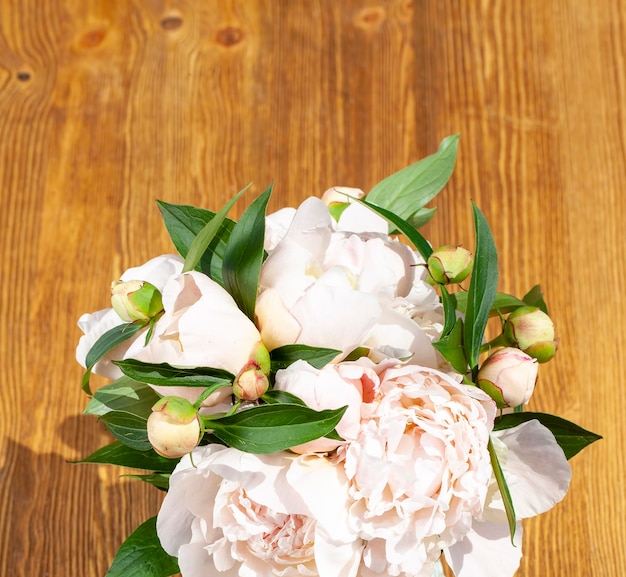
x=314, y=391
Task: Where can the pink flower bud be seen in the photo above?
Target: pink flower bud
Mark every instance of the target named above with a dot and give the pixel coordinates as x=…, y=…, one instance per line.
x=174, y=427
x=450, y=265
x=135, y=300
x=532, y=331
x=251, y=383
x=508, y=376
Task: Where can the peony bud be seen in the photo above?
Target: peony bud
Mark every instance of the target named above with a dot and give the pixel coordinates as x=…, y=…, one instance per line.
x=449, y=265
x=174, y=427
x=251, y=383
x=508, y=376
x=532, y=331
x=135, y=300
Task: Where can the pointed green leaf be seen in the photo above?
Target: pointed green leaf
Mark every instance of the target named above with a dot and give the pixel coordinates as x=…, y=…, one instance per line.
x=502, y=304
x=317, y=357
x=128, y=428
x=421, y=217
x=105, y=344
x=504, y=490
x=184, y=223
x=141, y=555
x=482, y=289
x=270, y=428
x=570, y=437
x=158, y=480
x=119, y=454
x=276, y=396
x=451, y=347
x=165, y=375
x=534, y=298
x=205, y=237
x=409, y=189
x=123, y=394
x=419, y=242
x=244, y=255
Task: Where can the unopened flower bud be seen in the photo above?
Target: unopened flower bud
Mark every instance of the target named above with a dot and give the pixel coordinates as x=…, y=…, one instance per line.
x=450, y=264
x=135, y=300
x=532, y=331
x=174, y=427
x=251, y=383
x=508, y=376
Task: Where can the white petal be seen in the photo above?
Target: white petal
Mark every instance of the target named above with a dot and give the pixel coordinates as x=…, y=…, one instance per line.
x=535, y=468
x=156, y=271
x=486, y=551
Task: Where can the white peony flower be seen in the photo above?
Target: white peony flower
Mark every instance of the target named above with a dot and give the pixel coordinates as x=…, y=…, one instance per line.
x=321, y=286
x=233, y=513
x=419, y=469
x=201, y=327
x=156, y=271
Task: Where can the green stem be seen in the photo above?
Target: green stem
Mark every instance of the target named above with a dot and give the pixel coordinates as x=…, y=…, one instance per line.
x=208, y=392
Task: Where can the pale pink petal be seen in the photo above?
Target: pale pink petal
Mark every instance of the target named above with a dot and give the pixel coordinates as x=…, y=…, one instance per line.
x=535, y=468
x=156, y=271
x=399, y=332
x=486, y=551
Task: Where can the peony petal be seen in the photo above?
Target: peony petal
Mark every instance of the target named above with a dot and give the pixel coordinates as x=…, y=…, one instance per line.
x=486, y=551
x=395, y=330
x=535, y=468
x=202, y=327
x=156, y=271
x=335, y=317
x=334, y=560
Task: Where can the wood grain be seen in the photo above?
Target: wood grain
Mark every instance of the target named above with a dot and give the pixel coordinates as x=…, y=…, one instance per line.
x=106, y=106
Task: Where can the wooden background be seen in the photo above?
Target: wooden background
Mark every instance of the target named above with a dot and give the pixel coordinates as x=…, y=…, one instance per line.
x=107, y=105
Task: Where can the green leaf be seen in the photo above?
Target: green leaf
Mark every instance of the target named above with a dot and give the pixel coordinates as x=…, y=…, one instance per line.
x=421, y=217
x=534, y=298
x=419, y=242
x=165, y=375
x=184, y=223
x=106, y=343
x=504, y=490
x=141, y=555
x=271, y=428
x=204, y=238
x=119, y=454
x=451, y=347
x=244, y=255
x=158, y=480
x=123, y=394
x=449, y=310
x=409, y=189
x=276, y=396
x=570, y=437
x=482, y=289
x=502, y=304
x=317, y=357
x=128, y=428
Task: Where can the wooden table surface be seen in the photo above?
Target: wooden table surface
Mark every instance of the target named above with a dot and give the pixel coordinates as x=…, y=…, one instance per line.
x=106, y=106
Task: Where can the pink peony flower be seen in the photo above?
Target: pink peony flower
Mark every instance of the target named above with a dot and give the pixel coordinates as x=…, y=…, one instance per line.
x=334, y=386
x=419, y=469
x=235, y=513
